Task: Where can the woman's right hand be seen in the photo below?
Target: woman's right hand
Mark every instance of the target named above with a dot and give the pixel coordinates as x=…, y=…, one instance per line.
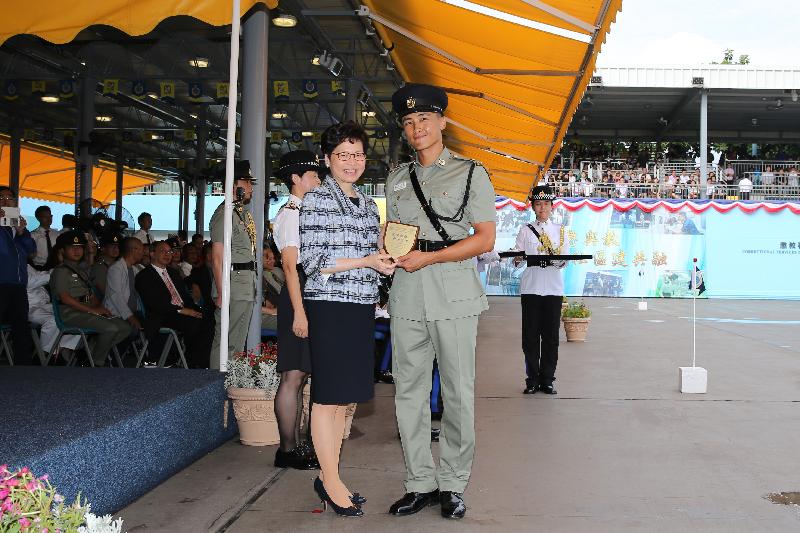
x=300, y=325
x=382, y=263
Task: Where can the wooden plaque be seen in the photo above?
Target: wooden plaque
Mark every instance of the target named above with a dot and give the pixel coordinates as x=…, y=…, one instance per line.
x=399, y=239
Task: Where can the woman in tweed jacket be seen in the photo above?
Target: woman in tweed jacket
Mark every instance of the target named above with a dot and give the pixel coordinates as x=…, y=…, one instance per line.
x=339, y=243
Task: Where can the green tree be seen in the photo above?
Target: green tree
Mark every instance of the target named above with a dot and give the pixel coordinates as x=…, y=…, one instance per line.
x=727, y=58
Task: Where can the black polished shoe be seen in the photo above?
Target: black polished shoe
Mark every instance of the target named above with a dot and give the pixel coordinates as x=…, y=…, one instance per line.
x=530, y=389
x=384, y=376
x=452, y=504
x=306, y=449
x=294, y=459
x=414, y=502
x=548, y=389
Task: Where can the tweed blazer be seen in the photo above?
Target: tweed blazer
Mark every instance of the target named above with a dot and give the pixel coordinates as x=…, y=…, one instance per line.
x=333, y=227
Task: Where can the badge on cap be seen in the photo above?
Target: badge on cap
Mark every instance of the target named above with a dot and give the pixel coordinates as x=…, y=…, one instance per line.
x=76, y=240
x=411, y=103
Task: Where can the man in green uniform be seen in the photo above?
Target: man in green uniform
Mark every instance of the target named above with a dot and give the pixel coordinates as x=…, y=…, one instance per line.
x=436, y=299
x=243, y=264
x=78, y=305
x=109, y=253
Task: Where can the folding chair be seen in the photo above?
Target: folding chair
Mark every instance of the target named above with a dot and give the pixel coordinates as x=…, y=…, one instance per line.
x=267, y=333
x=384, y=331
x=37, y=344
x=172, y=340
x=5, y=346
x=63, y=329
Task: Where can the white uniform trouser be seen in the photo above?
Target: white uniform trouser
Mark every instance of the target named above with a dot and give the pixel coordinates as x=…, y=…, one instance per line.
x=43, y=316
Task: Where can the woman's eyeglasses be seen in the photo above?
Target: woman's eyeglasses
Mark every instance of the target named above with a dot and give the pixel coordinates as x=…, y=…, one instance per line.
x=347, y=156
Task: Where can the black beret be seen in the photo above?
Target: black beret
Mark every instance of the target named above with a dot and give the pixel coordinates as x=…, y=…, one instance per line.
x=297, y=162
x=417, y=97
x=110, y=238
x=542, y=192
x=72, y=238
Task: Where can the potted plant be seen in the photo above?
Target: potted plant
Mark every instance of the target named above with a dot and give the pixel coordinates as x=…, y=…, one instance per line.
x=251, y=383
x=576, y=317
x=28, y=503
x=564, y=303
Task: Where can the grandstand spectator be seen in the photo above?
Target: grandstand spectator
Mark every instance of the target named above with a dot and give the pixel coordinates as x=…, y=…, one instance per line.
x=745, y=187
x=109, y=253
x=792, y=179
x=145, y=223
x=16, y=245
x=40, y=310
x=768, y=177
x=44, y=236
x=197, y=240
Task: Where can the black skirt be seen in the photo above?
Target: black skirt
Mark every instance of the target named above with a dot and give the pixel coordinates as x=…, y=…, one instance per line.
x=294, y=352
x=342, y=339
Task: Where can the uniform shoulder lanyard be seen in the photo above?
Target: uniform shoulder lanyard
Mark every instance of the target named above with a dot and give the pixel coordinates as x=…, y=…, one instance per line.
x=539, y=237
x=433, y=217
x=84, y=280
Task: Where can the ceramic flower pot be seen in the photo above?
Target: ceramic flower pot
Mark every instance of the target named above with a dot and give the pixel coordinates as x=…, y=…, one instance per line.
x=348, y=416
x=255, y=416
x=576, y=328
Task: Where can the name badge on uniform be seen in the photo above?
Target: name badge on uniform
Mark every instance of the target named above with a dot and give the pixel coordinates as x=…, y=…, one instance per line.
x=400, y=186
x=74, y=275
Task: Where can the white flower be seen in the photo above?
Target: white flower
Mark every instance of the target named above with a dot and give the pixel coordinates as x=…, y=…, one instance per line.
x=101, y=524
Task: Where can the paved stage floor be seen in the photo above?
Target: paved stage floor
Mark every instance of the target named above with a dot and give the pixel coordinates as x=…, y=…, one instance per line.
x=618, y=449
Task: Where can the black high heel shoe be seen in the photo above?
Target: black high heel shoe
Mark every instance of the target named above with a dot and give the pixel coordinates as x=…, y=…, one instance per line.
x=351, y=511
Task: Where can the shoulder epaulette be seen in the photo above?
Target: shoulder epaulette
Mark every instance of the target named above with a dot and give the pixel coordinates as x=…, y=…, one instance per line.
x=291, y=205
x=399, y=167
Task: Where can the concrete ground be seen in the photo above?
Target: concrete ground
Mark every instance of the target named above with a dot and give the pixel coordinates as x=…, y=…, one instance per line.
x=618, y=449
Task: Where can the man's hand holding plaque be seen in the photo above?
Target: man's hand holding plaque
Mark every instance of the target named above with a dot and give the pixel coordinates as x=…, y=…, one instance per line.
x=399, y=239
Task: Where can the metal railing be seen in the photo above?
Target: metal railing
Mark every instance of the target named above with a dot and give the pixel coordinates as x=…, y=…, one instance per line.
x=677, y=192
x=217, y=189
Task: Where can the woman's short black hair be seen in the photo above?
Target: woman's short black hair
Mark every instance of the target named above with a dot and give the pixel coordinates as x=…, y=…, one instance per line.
x=336, y=134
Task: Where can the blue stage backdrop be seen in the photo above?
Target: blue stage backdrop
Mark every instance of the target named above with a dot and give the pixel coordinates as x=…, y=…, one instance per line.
x=645, y=248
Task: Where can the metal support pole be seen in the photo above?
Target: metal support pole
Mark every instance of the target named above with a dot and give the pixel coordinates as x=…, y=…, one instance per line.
x=200, y=163
x=187, y=196
x=352, y=88
x=181, y=196
x=120, y=167
x=703, y=143
x=395, y=143
x=254, y=133
x=14, y=162
x=220, y=360
x=85, y=160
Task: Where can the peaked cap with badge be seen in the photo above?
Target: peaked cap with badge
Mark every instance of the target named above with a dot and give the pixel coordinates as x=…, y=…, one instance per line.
x=298, y=162
x=241, y=171
x=542, y=192
x=72, y=238
x=417, y=98
x=110, y=238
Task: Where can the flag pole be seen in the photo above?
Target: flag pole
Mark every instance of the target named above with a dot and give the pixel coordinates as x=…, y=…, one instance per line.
x=230, y=153
x=694, y=312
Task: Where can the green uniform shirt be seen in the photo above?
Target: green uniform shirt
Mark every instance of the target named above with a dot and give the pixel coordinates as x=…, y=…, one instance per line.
x=243, y=282
x=444, y=290
x=99, y=271
x=72, y=279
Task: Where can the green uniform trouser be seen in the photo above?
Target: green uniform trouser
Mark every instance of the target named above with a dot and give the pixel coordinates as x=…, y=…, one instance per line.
x=414, y=346
x=238, y=327
x=110, y=331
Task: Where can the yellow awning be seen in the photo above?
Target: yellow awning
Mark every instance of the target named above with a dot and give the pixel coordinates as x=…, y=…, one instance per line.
x=58, y=21
x=512, y=88
x=47, y=174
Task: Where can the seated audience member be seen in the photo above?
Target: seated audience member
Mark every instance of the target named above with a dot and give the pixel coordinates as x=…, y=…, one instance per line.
x=40, y=309
x=121, y=297
x=78, y=305
x=191, y=259
x=147, y=252
x=183, y=238
x=197, y=240
x=200, y=281
x=145, y=223
x=272, y=281
x=109, y=253
x=16, y=245
x=175, y=258
x=44, y=236
x=167, y=304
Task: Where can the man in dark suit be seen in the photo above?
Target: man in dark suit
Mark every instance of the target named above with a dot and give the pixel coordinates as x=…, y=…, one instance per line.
x=167, y=304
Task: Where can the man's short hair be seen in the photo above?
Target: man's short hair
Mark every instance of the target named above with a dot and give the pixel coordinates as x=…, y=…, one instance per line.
x=128, y=244
x=4, y=188
x=142, y=217
x=41, y=209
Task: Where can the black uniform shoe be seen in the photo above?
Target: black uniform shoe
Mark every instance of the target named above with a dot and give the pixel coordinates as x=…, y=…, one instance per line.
x=548, y=389
x=384, y=376
x=414, y=502
x=294, y=459
x=452, y=504
x=530, y=389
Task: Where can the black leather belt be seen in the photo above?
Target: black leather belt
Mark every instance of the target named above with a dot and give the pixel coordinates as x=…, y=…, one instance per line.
x=433, y=246
x=250, y=265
